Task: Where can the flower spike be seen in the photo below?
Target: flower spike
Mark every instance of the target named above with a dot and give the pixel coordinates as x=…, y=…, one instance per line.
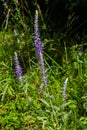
x=39, y=49
x=18, y=69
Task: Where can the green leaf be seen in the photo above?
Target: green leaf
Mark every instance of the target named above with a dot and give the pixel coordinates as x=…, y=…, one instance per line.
x=45, y=102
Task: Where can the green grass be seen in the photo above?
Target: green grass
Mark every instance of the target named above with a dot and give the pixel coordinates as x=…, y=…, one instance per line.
x=30, y=107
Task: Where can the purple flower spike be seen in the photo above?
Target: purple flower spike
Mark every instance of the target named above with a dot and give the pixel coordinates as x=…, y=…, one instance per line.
x=37, y=40
x=18, y=69
x=39, y=49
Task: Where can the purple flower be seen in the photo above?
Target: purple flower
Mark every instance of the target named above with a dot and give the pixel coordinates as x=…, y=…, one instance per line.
x=39, y=49
x=18, y=69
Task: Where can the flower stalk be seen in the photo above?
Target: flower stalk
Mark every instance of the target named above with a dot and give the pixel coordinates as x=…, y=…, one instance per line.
x=39, y=49
x=18, y=69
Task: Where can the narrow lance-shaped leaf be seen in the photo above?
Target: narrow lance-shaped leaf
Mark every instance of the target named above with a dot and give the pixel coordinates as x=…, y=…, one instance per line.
x=64, y=88
x=86, y=101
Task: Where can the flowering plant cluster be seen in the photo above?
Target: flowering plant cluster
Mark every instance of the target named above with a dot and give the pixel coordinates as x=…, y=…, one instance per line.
x=39, y=53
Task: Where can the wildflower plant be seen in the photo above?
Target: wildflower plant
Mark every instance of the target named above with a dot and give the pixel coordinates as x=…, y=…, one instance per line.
x=18, y=69
x=39, y=49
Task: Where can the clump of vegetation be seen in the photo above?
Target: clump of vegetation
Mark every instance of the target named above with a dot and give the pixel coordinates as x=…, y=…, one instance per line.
x=51, y=98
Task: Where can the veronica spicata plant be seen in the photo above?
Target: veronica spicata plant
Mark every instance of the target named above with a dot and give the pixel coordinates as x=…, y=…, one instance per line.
x=39, y=49
x=18, y=69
